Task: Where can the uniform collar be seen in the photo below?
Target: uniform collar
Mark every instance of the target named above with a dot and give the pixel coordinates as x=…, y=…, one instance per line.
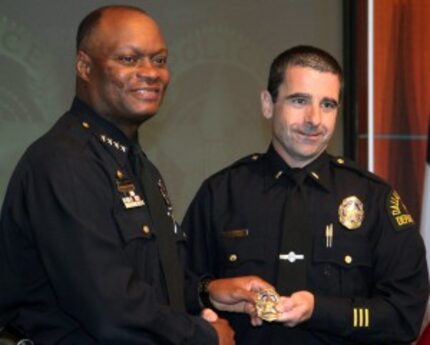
x=277, y=169
x=110, y=136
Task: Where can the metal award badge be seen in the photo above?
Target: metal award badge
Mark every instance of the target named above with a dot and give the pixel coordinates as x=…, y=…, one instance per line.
x=266, y=303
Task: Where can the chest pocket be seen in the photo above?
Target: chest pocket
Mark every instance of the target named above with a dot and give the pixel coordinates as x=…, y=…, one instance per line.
x=241, y=253
x=138, y=243
x=345, y=268
x=134, y=224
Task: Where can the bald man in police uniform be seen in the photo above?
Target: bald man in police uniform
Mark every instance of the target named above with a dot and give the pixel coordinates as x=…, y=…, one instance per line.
x=88, y=244
x=336, y=241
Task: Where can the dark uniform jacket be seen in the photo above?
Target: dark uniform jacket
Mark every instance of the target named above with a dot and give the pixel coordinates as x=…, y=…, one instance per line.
x=329, y=228
x=81, y=242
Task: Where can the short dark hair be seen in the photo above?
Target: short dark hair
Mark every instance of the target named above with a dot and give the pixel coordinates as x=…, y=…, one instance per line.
x=87, y=25
x=304, y=56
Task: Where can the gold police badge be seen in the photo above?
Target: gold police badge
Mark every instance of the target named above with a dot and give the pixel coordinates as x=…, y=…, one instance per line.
x=351, y=212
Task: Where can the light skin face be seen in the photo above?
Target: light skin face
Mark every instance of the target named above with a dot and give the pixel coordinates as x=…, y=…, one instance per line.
x=122, y=70
x=304, y=114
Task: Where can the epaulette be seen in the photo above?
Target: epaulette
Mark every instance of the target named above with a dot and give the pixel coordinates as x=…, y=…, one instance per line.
x=80, y=131
x=250, y=159
x=352, y=166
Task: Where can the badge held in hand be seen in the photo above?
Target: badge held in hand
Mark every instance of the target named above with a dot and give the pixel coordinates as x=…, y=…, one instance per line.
x=266, y=305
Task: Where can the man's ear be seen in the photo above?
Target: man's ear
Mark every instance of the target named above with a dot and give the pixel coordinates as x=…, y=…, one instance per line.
x=83, y=65
x=266, y=104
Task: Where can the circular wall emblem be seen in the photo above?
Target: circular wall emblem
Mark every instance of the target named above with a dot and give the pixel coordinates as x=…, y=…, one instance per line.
x=211, y=113
x=29, y=93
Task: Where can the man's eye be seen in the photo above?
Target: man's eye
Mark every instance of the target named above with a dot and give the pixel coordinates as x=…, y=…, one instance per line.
x=160, y=60
x=127, y=60
x=329, y=105
x=299, y=100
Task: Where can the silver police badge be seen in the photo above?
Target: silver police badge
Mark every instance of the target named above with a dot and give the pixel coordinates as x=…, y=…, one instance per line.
x=351, y=212
x=266, y=305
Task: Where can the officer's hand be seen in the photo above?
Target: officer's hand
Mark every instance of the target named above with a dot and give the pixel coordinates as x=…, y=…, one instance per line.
x=296, y=308
x=236, y=294
x=224, y=331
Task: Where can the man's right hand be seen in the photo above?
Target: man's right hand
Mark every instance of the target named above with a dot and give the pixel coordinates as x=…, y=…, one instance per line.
x=224, y=331
x=236, y=294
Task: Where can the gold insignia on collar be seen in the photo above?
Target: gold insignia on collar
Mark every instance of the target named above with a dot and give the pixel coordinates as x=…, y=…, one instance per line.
x=279, y=174
x=315, y=175
x=351, y=212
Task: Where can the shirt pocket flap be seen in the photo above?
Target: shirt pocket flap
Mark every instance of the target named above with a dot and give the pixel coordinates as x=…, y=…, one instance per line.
x=133, y=224
x=239, y=250
x=346, y=254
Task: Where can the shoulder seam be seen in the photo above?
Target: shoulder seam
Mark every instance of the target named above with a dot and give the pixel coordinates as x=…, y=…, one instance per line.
x=249, y=159
x=352, y=166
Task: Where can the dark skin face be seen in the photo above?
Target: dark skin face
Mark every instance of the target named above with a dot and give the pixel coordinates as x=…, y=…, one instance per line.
x=122, y=70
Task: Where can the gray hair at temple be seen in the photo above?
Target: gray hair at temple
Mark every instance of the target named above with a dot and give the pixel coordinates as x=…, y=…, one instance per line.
x=304, y=56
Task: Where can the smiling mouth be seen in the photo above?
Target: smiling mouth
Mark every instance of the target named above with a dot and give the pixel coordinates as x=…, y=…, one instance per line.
x=310, y=136
x=147, y=94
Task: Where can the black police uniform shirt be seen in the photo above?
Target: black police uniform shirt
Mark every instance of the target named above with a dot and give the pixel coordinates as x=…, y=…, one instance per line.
x=329, y=228
x=80, y=243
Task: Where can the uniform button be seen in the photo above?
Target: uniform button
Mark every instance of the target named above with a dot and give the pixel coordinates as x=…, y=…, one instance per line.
x=348, y=259
x=85, y=124
x=232, y=258
x=254, y=157
x=119, y=174
x=340, y=161
x=146, y=229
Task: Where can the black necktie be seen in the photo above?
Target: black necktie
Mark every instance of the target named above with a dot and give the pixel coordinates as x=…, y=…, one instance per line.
x=160, y=211
x=295, y=250
x=296, y=239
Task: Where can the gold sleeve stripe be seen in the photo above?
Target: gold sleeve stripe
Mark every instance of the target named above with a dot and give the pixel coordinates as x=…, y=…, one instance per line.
x=361, y=317
x=366, y=317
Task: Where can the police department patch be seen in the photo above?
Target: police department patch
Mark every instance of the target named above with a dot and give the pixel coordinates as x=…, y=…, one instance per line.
x=351, y=212
x=397, y=212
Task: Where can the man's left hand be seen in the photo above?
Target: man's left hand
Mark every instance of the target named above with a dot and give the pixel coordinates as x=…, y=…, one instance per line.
x=296, y=308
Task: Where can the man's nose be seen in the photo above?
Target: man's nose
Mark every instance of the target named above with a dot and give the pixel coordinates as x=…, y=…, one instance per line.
x=147, y=70
x=313, y=115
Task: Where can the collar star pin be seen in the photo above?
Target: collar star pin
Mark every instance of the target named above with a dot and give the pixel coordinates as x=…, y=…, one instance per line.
x=105, y=139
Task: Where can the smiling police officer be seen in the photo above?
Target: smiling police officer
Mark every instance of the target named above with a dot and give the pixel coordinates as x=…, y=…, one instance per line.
x=335, y=241
x=88, y=244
